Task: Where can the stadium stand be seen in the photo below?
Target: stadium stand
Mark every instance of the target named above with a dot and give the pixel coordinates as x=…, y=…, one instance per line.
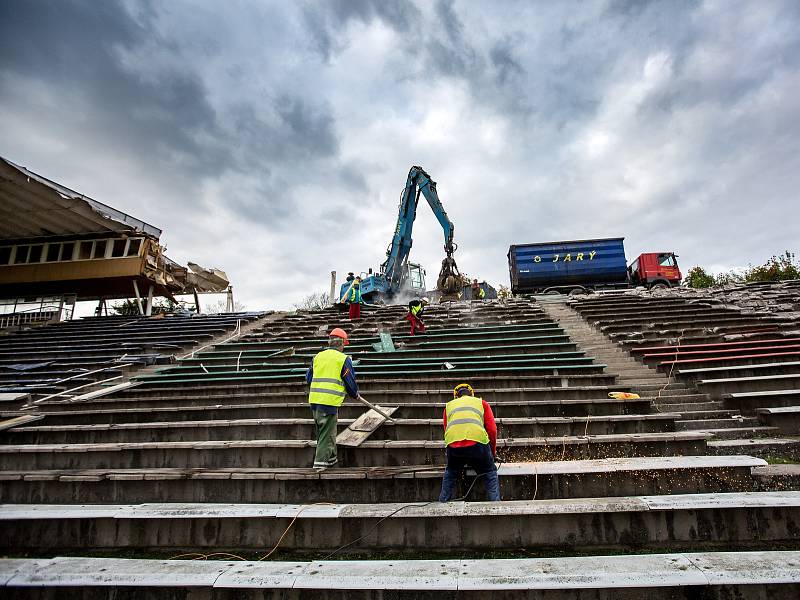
x=603, y=497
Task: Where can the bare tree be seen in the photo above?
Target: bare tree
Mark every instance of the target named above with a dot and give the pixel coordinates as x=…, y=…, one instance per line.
x=315, y=301
x=220, y=306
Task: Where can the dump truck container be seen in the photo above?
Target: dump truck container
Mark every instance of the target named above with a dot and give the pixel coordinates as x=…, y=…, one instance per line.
x=567, y=265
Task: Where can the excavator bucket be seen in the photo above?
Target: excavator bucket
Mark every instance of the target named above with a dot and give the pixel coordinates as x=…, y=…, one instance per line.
x=449, y=282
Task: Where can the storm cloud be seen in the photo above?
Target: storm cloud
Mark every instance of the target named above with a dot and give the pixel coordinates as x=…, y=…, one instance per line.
x=272, y=139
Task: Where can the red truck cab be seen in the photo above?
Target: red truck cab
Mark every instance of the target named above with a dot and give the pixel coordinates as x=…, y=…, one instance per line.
x=655, y=270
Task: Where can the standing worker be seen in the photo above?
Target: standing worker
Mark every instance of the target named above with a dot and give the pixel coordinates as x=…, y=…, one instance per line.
x=478, y=292
x=470, y=434
x=415, y=310
x=332, y=378
x=354, y=299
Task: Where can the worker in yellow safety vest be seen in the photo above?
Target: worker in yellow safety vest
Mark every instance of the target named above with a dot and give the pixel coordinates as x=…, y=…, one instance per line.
x=331, y=378
x=478, y=293
x=470, y=433
x=416, y=308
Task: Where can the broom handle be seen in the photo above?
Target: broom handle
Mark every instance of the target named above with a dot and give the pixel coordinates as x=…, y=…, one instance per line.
x=361, y=399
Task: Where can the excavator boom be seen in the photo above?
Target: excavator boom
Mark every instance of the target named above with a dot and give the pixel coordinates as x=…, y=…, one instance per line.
x=395, y=269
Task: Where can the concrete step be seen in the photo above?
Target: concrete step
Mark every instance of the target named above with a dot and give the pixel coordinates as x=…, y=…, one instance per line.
x=694, y=406
x=778, y=477
x=567, y=479
x=738, y=433
x=674, y=522
x=304, y=429
x=784, y=448
x=745, y=575
x=690, y=415
x=418, y=408
x=299, y=453
x=685, y=424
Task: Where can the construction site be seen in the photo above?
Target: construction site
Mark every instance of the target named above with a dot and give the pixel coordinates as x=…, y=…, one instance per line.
x=646, y=447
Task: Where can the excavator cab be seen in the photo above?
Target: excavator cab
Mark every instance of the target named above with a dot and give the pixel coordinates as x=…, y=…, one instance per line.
x=416, y=277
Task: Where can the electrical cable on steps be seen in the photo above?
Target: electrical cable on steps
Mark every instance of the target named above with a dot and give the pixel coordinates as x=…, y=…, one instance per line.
x=201, y=556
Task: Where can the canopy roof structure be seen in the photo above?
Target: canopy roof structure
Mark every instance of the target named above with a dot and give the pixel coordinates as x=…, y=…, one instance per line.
x=54, y=240
x=32, y=206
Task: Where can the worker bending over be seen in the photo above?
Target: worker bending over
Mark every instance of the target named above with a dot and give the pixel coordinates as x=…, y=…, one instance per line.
x=332, y=378
x=470, y=434
x=416, y=308
x=354, y=300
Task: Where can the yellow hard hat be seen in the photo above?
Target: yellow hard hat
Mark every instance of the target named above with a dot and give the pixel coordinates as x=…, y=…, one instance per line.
x=463, y=386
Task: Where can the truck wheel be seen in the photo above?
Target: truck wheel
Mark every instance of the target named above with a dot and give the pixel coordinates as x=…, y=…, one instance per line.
x=660, y=286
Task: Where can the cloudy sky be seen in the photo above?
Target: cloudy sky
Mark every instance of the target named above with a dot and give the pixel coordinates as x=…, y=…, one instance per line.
x=272, y=139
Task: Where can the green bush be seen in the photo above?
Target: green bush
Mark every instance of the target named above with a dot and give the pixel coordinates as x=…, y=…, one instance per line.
x=698, y=278
x=777, y=268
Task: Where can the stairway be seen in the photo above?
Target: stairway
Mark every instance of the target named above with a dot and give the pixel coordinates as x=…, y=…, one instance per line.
x=698, y=411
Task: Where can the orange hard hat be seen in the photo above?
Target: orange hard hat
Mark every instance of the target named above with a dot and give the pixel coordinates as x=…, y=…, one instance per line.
x=340, y=333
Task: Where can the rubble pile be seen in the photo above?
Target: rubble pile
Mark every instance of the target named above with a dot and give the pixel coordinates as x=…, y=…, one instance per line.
x=780, y=298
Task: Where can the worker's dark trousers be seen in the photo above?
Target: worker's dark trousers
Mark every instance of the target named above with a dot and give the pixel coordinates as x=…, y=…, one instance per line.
x=477, y=456
x=325, y=456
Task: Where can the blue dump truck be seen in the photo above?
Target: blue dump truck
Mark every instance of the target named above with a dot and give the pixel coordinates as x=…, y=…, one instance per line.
x=582, y=265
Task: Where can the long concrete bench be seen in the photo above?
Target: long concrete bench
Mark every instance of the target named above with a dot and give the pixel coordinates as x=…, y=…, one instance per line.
x=730, y=361
x=479, y=342
x=785, y=418
x=750, y=401
x=655, y=323
x=748, y=575
x=299, y=453
x=136, y=411
x=721, y=346
x=436, y=380
x=749, y=520
x=667, y=358
x=634, y=476
x=394, y=359
x=692, y=375
x=221, y=396
x=727, y=385
x=434, y=335
x=293, y=428
x=366, y=371
x=534, y=349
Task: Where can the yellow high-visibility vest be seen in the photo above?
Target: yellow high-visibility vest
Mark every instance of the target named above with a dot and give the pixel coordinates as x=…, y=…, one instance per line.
x=327, y=386
x=465, y=421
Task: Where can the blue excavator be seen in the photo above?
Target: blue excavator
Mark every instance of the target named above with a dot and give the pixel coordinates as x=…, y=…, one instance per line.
x=397, y=274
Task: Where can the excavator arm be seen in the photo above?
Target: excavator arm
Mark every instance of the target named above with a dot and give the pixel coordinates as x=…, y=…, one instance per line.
x=418, y=182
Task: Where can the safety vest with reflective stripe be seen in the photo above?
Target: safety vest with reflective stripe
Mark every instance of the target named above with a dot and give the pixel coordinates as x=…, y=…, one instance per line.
x=465, y=421
x=416, y=309
x=355, y=295
x=327, y=386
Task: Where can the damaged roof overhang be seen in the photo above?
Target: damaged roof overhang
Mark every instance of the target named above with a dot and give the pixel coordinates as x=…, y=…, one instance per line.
x=32, y=206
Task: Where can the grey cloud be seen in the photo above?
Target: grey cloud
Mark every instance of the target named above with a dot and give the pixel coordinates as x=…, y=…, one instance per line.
x=503, y=60
x=75, y=47
x=325, y=20
x=161, y=115
x=258, y=112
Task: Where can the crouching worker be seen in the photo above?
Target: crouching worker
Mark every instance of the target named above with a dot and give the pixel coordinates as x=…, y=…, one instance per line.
x=416, y=309
x=470, y=434
x=332, y=378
